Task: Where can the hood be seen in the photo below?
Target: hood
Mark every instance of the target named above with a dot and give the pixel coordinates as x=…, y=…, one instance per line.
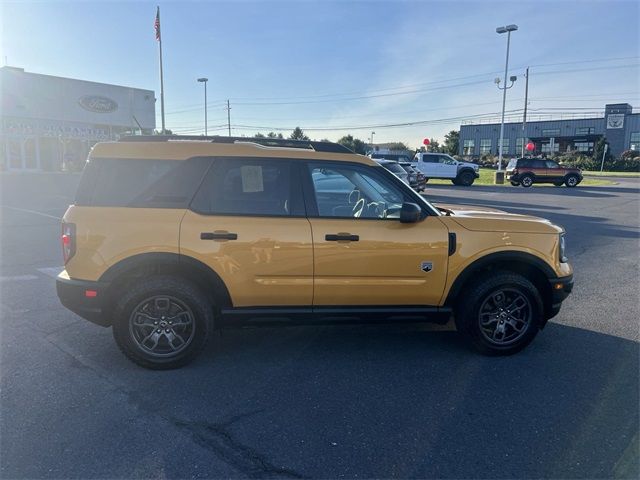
x=485, y=219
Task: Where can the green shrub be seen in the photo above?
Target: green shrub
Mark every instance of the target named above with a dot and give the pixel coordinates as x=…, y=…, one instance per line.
x=627, y=163
x=623, y=165
x=629, y=154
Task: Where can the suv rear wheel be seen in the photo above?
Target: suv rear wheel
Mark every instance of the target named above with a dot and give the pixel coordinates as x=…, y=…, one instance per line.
x=526, y=181
x=162, y=322
x=571, y=180
x=500, y=314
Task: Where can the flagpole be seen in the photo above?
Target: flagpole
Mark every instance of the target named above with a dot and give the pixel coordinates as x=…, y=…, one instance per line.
x=159, y=35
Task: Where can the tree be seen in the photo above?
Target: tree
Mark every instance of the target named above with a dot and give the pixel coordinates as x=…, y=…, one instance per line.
x=598, y=150
x=397, y=146
x=274, y=135
x=298, y=134
x=354, y=144
x=434, y=145
x=452, y=142
x=258, y=135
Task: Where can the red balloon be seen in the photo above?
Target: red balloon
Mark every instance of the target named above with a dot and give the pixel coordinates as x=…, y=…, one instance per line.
x=531, y=147
x=426, y=141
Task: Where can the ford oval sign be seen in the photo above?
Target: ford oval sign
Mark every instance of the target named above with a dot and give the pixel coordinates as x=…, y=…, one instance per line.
x=95, y=103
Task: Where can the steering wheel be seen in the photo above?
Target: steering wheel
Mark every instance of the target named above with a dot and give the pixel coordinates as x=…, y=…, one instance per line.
x=354, y=196
x=358, y=208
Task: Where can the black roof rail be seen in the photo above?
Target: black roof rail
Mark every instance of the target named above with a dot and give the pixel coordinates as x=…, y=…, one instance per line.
x=327, y=147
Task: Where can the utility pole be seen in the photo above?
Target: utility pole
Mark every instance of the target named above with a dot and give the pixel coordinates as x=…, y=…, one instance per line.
x=524, y=118
x=499, y=175
x=204, y=80
x=229, y=117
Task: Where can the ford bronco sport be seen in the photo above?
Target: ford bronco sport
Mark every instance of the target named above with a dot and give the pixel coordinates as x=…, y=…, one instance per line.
x=527, y=171
x=170, y=238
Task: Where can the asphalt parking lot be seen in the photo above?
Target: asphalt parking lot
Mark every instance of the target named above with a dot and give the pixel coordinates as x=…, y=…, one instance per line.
x=326, y=402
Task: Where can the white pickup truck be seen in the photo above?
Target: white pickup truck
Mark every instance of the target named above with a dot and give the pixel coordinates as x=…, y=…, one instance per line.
x=440, y=165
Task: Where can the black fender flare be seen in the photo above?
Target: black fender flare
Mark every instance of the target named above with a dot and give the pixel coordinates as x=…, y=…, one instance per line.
x=512, y=257
x=185, y=265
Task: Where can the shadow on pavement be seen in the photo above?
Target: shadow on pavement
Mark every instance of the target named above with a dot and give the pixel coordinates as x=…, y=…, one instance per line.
x=404, y=402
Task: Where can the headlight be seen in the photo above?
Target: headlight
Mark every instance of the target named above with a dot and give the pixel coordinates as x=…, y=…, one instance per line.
x=563, y=257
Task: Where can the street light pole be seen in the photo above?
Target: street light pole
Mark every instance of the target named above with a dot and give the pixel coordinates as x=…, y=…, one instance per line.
x=205, y=80
x=372, y=134
x=508, y=29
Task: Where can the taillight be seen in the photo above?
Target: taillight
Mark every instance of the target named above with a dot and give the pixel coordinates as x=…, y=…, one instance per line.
x=68, y=241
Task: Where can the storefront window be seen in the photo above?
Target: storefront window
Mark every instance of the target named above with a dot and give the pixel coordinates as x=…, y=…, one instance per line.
x=635, y=141
x=584, y=147
x=14, y=154
x=550, y=148
x=468, y=147
x=485, y=146
x=30, y=154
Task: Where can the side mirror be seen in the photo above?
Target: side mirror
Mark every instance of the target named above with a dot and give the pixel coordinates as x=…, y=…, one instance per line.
x=410, y=213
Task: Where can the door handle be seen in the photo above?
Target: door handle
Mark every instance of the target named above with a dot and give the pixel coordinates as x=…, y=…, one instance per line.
x=341, y=237
x=218, y=236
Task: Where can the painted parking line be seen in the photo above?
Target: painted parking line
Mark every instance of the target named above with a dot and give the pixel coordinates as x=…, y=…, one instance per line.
x=34, y=212
x=17, y=278
x=52, y=272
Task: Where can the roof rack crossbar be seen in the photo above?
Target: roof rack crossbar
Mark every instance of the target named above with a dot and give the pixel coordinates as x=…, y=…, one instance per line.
x=327, y=147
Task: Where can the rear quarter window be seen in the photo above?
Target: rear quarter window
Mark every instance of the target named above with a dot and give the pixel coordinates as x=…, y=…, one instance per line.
x=117, y=182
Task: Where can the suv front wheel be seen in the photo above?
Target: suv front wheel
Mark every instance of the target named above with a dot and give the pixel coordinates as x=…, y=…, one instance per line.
x=500, y=314
x=465, y=178
x=162, y=322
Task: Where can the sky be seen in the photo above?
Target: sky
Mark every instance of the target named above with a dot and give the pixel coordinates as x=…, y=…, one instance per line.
x=405, y=70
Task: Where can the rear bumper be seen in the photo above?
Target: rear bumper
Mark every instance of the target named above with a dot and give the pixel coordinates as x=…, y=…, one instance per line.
x=73, y=295
x=560, y=290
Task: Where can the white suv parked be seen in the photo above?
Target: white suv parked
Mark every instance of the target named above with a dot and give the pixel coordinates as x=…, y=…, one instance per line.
x=440, y=165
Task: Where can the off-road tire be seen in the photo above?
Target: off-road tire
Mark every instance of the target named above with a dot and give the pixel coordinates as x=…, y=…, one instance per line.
x=472, y=299
x=526, y=180
x=184, y=293
x=571, y=180
x=465, y=178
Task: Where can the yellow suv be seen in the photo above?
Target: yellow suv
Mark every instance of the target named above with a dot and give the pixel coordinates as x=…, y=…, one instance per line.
x=172, y=237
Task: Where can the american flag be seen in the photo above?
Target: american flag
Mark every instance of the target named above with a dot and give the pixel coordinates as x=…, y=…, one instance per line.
x=157, y=25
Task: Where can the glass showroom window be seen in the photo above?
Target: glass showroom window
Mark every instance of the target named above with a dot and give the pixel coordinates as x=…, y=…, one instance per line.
x=551, y=132
x=584, y=146
x=485, y=146
x=468, y=147
x=519, y=145
x=585, y=130
x=635, y=141
x=505, y=145
x=546, y=148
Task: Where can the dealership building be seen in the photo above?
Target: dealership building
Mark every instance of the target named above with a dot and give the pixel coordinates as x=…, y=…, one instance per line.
x=47, y=122
x=619, y=125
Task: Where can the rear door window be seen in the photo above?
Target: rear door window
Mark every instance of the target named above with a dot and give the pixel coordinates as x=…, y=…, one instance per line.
x=248, y=186
x=119, y=182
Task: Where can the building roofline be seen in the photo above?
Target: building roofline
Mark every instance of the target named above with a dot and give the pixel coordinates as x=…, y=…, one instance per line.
x=22, y=71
